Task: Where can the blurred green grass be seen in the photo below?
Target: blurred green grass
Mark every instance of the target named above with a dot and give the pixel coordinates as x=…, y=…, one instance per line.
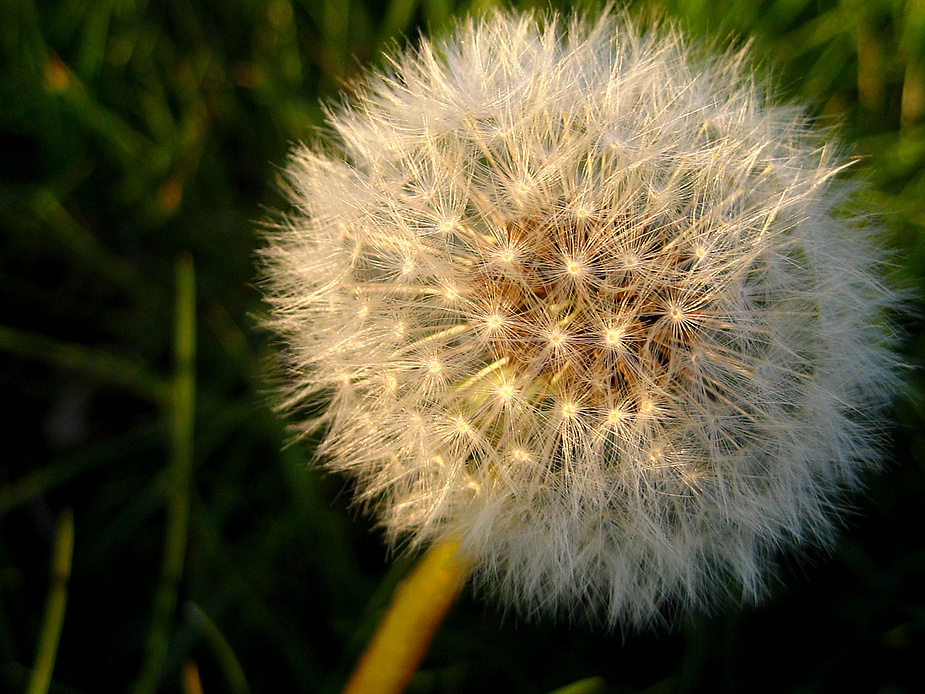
x=140, y=144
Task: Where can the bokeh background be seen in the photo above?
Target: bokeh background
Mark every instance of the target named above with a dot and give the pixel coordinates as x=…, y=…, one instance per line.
x=140, y=146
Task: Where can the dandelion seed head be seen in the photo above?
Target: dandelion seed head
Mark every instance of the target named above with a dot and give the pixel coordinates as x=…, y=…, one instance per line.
x=586, y=297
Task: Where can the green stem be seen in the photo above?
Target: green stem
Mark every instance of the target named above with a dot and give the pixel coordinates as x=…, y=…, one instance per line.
x=181, y=429
x=47, y=651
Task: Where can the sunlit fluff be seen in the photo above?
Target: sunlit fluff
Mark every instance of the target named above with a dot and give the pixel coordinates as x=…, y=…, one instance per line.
x=579, y=295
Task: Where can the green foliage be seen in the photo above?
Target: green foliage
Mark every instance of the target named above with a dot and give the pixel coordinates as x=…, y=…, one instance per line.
x=140, y=145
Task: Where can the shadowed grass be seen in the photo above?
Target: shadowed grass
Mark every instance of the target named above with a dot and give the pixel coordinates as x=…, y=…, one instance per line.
x=136, y=377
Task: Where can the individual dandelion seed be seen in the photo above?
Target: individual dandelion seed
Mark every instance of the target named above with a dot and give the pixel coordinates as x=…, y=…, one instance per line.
x=582, y=296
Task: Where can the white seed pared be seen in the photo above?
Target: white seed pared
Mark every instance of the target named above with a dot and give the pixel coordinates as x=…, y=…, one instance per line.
x=580, y=295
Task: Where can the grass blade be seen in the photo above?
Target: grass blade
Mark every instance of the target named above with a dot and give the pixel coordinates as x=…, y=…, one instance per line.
x=47, y=650
x=224, y=654
x=134, y=376
x=181, y=433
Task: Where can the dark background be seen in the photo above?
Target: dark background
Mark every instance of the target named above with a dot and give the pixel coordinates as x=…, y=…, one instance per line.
x=140, y=144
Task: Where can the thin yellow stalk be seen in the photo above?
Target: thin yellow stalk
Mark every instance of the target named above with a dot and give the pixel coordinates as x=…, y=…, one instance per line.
x=416, y=611
x=47, y=650
x=192, y=684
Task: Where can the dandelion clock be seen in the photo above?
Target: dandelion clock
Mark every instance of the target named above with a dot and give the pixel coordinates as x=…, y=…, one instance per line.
x=581, y=300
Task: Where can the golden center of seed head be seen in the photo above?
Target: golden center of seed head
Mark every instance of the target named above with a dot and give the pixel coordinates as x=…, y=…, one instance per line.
x=576, y=309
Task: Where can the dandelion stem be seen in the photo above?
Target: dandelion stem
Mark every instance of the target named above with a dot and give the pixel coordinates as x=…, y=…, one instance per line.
x=408, y=626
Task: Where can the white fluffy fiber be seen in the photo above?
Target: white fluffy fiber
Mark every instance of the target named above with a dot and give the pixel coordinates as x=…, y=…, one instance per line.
x=581, y=296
